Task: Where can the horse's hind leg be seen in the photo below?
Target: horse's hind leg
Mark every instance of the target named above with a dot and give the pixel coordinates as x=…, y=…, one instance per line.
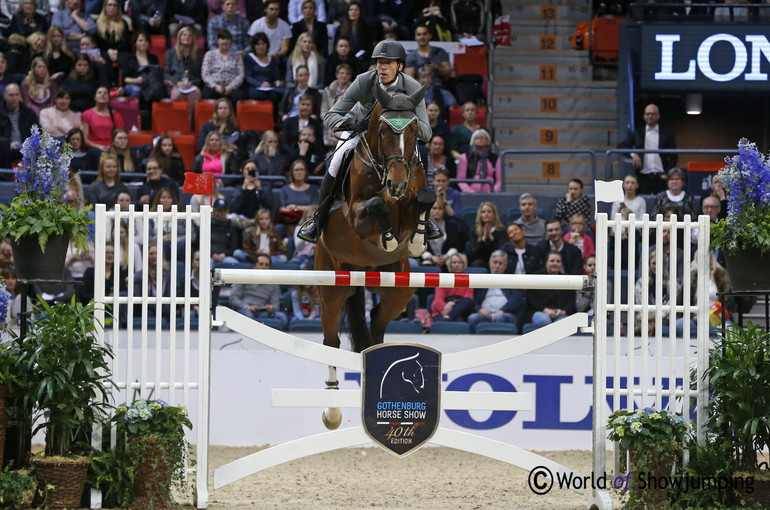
x=356, y=313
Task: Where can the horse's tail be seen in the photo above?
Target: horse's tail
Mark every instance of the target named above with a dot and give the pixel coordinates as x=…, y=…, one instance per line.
x=355, y=313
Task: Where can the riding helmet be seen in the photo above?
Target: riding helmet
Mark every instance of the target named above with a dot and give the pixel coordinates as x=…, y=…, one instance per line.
x=391, y=50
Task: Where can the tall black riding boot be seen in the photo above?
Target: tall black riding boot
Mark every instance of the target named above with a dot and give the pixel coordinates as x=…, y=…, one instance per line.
x=311, y=230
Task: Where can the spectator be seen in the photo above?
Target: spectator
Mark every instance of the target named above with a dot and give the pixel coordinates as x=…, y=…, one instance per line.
x=357, y=31
x=112, y=35
x=305, y=302
x=169, y=159
x=57, y=54
x=647, y=296
x=304, y=251
x=82, y=83
x=487, y=236
x=154, y=183
x=5, y=77
x=298, y=11
x=305, y=53
x=584, y=299
x=577, y=236
x=127, y=162
x=433, y=58
x=665, y=248
x=86, y=291
x=450, y=197
x=480, y=163
x=14, y=303
x=570, y=260
x=331, y=94
x=16, y=121
x=195, y=278
x=453, y=304
x=342, y=55
x=461, y=134
x=223, y=121
x=269, y=159
x=523, y=258
x=309, y=150
x=222, y=70
x=99, y=121
x=498, y=305
x=467, y=18
x=262, y=240
x=225, y=238
x=182, y=69
x=289, y=106
x=26, y=21
x=74, y=22
x=214, y=157
x=435, y=91
x=124, y=201
x=167, y=201
x=149, y=16
x=675, y=196
x=252, y=195
x=711, y=207
x=718, y=190
x=276, y=29
x=296, y=123
x=88, y=48
x=438, y=125
x=452, y=241
x=186, y=12
x=438, y=160
x=108, y=184
x=432, y=17
x=534, y=226
x=261, y=74
x=155, y=285
x=391, y=16
x=38, y=91
x=81, y=159
x=546, y=305
x=259, y=301
x=652, y=167
x=236, y=25
x=58, y=119
x=308, y=23
x=573, y=202
x=17, y=56
x=294, y=198
x=142, y=76
x=632, y=203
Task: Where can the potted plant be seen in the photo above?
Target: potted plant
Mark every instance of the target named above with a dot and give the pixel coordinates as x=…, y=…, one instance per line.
x=744, y=235
x=739, y=409
x=653, y=440
x=67, y=374
x=38, y=219
x=157, y=445
x=7, y=364
x=17, y=489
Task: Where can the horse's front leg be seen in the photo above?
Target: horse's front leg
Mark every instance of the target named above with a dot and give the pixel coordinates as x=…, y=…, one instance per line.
x=375, y=212
x=418, y=243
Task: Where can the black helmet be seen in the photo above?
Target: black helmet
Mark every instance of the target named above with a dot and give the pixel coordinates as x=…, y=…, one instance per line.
x=391, y=50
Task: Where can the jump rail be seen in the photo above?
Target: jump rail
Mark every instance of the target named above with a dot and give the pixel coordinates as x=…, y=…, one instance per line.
x=378, y=279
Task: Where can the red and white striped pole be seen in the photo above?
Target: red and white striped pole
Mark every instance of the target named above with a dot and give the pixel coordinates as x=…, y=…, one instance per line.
x=417, y=280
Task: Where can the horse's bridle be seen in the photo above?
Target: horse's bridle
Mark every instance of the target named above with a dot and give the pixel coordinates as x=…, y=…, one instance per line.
x=380, y=165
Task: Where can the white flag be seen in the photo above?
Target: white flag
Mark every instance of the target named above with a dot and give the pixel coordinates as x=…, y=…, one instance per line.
x=608, y=191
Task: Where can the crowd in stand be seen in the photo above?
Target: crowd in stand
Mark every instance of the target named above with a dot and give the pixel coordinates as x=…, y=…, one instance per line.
x=62, y=65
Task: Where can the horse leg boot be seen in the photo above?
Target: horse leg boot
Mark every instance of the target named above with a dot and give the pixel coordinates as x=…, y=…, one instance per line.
x=418, y=243
x=332, y=417
x=311, y=230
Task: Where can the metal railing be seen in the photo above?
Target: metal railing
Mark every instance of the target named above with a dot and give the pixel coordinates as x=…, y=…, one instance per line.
x=675, y=12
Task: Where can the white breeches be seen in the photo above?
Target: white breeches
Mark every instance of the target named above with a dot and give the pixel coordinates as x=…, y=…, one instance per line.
x=342, y=146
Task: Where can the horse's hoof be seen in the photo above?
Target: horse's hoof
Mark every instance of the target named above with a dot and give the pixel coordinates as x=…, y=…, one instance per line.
x=331, y=417
x=417, y=247
x=388, y=242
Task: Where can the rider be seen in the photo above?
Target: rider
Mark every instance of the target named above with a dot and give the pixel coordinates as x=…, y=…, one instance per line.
x=350, y=114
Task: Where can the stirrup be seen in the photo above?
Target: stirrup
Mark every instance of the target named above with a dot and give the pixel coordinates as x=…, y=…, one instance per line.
x=310, y=231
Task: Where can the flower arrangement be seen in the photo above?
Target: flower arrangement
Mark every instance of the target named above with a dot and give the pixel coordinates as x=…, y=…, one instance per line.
x=39, y=208
x=746, y=180
x=145, y=417
x=645, y=426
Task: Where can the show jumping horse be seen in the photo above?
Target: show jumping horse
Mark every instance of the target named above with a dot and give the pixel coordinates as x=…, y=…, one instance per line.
x=380, y=223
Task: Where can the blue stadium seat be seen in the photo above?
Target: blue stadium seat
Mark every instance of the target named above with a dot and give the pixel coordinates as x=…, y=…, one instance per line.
x=450, y=328
x=405, y=327
x=306, y=326
x=496, y=328
x=273, y=323
x=468, y=215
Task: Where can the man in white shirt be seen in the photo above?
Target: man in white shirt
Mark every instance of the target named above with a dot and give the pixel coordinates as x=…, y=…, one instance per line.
x=277, y=30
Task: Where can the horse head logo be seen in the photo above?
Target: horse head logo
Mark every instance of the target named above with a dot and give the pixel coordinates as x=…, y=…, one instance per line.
x=408, y=370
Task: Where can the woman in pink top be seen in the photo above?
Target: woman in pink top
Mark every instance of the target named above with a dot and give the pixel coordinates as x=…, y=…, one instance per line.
x=479, y=163
x=59, y=119
x=214, y=157
x=457, y=303
x=99, y=121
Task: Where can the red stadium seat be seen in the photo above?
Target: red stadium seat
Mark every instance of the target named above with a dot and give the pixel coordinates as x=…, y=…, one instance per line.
x=158, y=48
x=204, y=110
x=187, y=144
x=128, y=108
x=168, y=115
x=606, y=39
x=471, y=63
x=256, y=115
x=456, y=116
x=140, y=138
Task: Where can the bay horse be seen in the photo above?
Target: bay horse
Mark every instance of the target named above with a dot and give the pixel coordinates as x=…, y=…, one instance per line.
x=380, y=222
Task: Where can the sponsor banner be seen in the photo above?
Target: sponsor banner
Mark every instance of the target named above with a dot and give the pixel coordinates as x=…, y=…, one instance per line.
x=704, y=58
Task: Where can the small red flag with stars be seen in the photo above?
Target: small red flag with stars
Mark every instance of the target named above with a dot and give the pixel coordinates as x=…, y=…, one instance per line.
x=198, y=184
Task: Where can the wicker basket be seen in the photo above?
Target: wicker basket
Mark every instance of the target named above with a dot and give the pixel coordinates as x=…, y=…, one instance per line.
x=152, y=474
x=67, y=476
